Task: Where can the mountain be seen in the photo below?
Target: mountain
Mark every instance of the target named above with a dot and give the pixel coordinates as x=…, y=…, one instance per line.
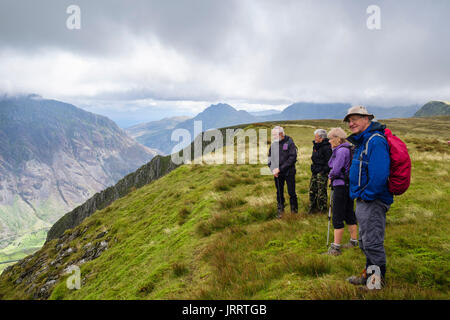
x=218, y=116
x=210, y=232
x=308, y=110
x=144, y=131
x=394, y=112
x=305, y=110
x=264, y=112
x=157, y=134
x=434, y=108
x=54, y=156
x=214, y=117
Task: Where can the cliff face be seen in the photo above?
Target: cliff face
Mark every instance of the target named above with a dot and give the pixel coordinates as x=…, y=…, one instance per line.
x=156, y=168
x=54, y=156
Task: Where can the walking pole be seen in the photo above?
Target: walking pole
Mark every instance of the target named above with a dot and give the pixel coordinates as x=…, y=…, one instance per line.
x=329, y=217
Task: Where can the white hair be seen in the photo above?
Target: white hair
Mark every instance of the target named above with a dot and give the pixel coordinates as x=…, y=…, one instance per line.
x=321, y=132
x=278, y=130
x=337, y=133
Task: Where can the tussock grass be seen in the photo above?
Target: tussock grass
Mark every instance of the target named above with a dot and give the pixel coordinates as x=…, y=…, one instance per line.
x=179, y=269
x=230, y=201
x=183, y=215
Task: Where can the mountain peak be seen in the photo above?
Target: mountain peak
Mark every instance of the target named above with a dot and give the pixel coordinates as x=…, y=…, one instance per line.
x=434, y=108
x=220, y=107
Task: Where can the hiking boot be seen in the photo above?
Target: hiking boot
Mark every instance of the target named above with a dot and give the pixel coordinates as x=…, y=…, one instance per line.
x=360, y=280
x=334, y=250
x=351, y=244
x=366, y=288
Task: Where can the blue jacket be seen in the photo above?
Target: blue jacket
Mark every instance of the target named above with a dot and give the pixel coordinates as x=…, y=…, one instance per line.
x=375, y=166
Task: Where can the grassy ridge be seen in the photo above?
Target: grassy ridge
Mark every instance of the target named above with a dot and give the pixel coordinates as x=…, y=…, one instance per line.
x=209, y=232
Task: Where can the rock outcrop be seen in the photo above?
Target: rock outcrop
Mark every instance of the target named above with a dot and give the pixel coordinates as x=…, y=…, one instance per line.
x=40, y=272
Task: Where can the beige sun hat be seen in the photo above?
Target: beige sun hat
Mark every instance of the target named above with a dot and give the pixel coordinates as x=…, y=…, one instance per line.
x=358, y=110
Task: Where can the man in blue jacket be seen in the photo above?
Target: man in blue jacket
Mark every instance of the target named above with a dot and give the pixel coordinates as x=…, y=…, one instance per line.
x=369, y=173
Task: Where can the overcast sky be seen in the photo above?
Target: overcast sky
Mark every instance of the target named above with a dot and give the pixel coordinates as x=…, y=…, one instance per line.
x=141, y=60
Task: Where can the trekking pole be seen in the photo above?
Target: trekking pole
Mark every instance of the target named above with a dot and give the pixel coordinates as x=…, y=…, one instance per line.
x=329, y=217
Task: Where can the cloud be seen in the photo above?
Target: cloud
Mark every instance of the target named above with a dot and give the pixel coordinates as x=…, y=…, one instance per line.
x=253, y=54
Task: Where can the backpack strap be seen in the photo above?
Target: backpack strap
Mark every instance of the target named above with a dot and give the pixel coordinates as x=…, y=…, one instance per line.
x=365, y=152
x=343, y=170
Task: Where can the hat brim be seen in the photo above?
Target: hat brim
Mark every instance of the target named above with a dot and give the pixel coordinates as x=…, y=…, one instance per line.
x=371, y=116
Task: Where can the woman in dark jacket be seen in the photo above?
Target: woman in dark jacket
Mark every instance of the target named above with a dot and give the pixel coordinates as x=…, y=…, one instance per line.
x=319, y=169
x=342, y=203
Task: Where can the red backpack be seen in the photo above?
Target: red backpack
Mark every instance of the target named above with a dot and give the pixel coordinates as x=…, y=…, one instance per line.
x=400, y=169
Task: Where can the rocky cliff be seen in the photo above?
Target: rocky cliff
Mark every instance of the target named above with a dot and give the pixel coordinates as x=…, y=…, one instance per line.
x=155, y=169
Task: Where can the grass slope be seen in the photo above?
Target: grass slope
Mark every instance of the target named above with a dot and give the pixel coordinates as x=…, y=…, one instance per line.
x=209, y=232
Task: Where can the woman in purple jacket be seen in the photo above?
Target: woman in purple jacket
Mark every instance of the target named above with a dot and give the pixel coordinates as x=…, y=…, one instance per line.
x=339, y=163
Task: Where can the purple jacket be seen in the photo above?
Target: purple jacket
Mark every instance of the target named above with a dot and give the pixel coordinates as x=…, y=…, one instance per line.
x=339, y=163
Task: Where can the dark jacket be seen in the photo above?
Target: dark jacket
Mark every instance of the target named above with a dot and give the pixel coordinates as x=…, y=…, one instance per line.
x=288, y=156
x=373, y=183
x=320, y=156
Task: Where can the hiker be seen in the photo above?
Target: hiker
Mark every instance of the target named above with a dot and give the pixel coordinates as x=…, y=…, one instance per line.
x=339, y=163
x=368, y=177
x=282, y=158
x=319, y=168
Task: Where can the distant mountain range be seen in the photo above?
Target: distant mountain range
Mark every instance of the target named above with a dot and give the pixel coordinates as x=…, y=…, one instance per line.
x=434, y=108
x=214, y=117
x=308, y=111
x=145, y=133
x=53, y=157
x=264, y=112
x=157, y=134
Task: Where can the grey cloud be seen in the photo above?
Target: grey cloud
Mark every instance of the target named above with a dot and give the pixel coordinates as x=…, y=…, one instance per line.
x=276, y=50
x=194, y=26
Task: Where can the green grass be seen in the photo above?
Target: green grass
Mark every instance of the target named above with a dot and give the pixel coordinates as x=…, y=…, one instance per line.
x=209, y=232
x=22, y=247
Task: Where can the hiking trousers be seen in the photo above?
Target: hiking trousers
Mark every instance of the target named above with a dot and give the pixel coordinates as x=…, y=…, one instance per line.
x=371, y=217
x=290, y=181
x=318, y=196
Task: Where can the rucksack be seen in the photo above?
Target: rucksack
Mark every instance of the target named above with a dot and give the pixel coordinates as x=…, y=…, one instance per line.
x=400, y=168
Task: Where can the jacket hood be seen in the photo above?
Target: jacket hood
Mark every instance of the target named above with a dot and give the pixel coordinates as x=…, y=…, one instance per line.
x=324, y=142
x=342, y=145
